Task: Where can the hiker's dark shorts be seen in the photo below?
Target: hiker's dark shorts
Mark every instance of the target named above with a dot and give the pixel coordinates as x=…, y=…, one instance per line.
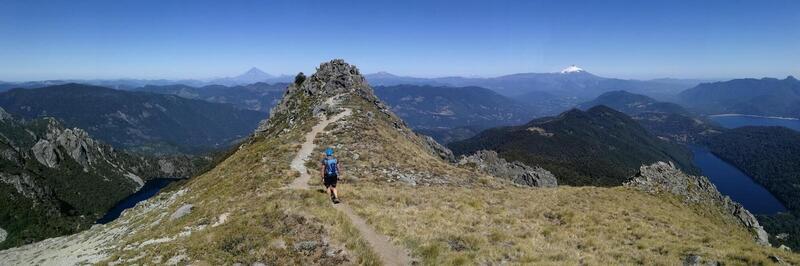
x=330, y=180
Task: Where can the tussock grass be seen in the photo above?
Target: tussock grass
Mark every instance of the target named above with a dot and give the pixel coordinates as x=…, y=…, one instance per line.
x=446, y=225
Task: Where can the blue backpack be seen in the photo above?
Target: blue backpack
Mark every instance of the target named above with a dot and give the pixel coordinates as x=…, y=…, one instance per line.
x=331, y=166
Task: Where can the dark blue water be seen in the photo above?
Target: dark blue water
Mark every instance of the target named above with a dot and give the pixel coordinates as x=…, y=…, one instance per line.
x=736, y=184
x=734, y=121
x=150, y=189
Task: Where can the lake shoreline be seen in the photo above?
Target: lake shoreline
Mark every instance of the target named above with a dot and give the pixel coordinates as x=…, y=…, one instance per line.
x=756, y=116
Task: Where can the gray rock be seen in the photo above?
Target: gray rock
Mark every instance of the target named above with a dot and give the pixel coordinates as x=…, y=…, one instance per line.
x=438, y=149
x=306, y=245
x=784, y=247
x=665, y=177
x=3, y=233
x=45, y=152
x=4, y=115
x=181, y=211
x=519, y=173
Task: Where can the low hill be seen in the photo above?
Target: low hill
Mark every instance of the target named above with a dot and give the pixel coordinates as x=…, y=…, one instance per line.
x=145, y=122
x=767, y=96
x=665, y=120
x=56, y=180
x=600, y=147
x=403, y=195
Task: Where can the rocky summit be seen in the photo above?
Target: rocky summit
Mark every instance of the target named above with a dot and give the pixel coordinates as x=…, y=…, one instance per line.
x=404, y=201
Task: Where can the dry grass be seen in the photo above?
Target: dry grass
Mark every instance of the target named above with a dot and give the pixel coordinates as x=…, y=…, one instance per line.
x=447, y=225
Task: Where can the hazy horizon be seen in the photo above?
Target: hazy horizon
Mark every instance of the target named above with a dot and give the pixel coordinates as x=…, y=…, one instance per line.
x=621, y=39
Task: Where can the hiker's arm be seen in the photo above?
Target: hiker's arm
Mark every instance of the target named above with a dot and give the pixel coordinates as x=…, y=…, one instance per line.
x=322, y=171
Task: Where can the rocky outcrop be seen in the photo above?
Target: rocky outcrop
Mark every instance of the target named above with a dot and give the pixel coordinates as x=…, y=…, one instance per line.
x=519, y=173
x=42, y=161
x=665, y=177
x=3, y=235
x=4, y=115
x=332, y=79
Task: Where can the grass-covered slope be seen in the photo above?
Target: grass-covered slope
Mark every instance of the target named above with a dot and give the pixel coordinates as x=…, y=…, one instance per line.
x=399, y=183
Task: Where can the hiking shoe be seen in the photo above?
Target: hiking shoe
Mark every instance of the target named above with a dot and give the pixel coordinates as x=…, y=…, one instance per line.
x=336, y=200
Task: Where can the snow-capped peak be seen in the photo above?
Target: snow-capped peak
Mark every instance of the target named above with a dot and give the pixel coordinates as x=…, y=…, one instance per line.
x=572, y=69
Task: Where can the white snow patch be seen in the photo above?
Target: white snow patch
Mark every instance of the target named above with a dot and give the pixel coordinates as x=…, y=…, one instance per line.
x=572, y=69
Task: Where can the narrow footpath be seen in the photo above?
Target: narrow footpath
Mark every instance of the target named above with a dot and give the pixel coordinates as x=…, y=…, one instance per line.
x=389, y=253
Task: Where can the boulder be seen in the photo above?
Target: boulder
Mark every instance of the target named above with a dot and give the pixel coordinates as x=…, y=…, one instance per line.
x=181, y=211
x=519, y=173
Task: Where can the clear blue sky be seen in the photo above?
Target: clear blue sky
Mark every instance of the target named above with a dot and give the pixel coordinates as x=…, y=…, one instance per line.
x=198, y=39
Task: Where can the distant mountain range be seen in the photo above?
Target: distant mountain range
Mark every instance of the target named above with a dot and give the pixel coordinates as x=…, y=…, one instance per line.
x=256, y=96
x=254, y=75
x=572, y=82
x=599, y=147
x=438, y=110
x=141, y=121
x=766, y=96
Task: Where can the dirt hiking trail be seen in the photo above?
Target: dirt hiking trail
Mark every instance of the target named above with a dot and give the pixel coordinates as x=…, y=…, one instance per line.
x=389, y=253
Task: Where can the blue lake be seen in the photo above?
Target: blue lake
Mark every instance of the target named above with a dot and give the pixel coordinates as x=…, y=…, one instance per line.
x=734, y=121
x=736, y=184
x=150, y=189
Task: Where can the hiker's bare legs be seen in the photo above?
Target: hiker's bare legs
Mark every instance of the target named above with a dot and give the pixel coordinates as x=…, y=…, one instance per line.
x=333, y=190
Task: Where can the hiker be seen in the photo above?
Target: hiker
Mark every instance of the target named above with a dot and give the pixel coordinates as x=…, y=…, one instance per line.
x=330, y=173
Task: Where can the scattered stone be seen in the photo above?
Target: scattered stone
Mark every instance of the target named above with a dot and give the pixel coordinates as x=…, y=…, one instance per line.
x=517, y=172
x=177, y=259
x=3, y=233
x=221, y=220
x=784, y=247
x=180, y=212
x=278, y=244
x=258, y=264
x=665, y=177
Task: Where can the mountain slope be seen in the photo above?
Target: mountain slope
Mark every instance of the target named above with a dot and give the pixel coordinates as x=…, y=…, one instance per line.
x=257, y=96
x=443, y=109
x=57, y=180
x=767, y=96
x=599, y=147
x=666, y=120
x=771, y=155
x=400, y=185
x=136, y=120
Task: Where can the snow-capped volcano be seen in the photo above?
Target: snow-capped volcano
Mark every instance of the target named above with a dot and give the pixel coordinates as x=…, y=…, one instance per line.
x=572, y=69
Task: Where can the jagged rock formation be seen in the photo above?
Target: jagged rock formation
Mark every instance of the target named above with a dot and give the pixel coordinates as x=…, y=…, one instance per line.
x=332, y=79
x=57, y=180
x=517, y=172
x=664, y=177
